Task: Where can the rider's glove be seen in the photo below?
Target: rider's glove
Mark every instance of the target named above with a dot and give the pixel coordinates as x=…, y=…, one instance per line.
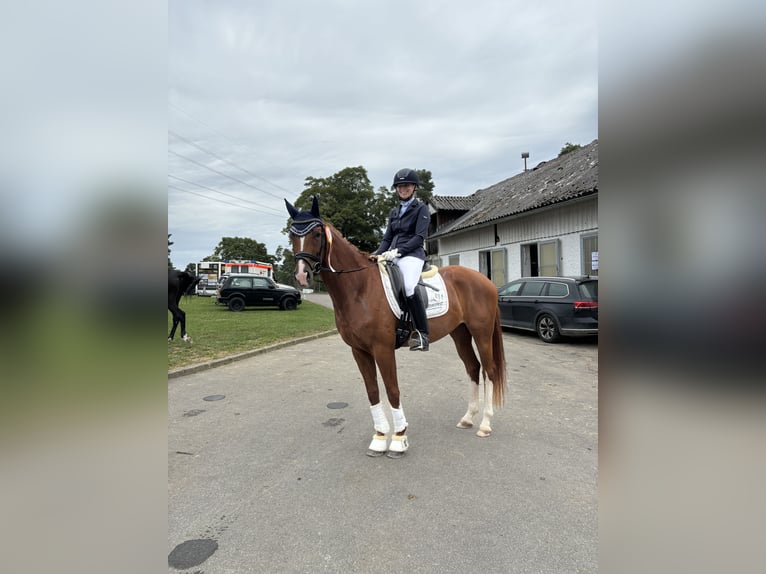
x=389, y=255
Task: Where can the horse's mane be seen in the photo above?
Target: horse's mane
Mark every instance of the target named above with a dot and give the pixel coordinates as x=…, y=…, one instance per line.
x=338, y=235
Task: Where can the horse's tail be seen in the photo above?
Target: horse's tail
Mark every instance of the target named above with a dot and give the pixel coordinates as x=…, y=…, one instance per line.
x=498, y=357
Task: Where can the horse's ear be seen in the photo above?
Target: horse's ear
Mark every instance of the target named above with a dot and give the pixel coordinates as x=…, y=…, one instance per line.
x=291, y=209
x=315, y=207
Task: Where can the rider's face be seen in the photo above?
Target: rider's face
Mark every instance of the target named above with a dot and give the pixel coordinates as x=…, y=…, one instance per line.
x=405, y=190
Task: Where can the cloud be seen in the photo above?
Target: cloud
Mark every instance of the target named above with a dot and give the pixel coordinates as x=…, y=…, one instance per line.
x=303, y=89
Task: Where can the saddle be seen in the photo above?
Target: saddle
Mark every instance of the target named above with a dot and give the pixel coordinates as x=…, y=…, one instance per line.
x=404, y=327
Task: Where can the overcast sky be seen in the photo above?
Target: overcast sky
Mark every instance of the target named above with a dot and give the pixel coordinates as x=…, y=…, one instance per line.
x=264, y=94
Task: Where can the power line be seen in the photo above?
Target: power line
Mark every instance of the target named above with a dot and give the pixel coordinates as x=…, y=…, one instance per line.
x=221, y=173
x=171, y=186
x=227, y=139
x=223, y=193
x=231, y=163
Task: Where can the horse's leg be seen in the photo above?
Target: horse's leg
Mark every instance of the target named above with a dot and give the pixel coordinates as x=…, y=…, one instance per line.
x=366, y=364
x=184, y=336
x=484, y=346
x=176, y=320
x=462, y=338
x=386, y=361
x=182, y=319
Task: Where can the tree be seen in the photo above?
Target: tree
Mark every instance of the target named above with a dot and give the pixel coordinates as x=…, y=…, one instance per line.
x=170, y=263
x=240, y=248
x=569, y=147
x=347, y=200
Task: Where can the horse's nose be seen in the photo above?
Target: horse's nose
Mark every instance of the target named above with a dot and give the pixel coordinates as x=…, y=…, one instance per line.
x=301, y=275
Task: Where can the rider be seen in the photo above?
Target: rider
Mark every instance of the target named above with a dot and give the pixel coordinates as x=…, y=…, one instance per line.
x=403, y=243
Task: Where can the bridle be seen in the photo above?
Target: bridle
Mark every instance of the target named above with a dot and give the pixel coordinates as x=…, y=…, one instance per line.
x=315, y=261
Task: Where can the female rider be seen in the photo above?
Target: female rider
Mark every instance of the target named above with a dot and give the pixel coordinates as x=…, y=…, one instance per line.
x=404, y=244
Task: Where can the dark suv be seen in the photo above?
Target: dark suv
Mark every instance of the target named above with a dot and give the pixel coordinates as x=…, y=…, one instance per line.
x=240, y=291
x=551, y=306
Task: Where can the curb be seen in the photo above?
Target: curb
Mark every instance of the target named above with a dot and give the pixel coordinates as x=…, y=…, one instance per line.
x=247, y=354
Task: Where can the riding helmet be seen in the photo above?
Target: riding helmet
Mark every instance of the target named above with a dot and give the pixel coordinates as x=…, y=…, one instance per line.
x=405, y=175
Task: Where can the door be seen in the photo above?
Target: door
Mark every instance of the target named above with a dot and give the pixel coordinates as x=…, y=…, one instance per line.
x=506, y=298
x=526, y=304
x=263, y=292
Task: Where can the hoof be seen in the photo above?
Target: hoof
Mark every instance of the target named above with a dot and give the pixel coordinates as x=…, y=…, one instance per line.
x=483, y=433
x=394, y=454
x=187, y=338
x=376, y=453
x=464, y=424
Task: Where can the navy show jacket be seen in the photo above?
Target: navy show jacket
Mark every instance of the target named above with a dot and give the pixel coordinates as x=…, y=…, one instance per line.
x=408, y=232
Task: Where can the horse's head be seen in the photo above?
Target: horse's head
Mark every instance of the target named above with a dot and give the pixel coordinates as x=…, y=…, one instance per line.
x=307, y=235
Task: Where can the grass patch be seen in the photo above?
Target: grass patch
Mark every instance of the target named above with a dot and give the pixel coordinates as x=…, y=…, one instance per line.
x=218, y=332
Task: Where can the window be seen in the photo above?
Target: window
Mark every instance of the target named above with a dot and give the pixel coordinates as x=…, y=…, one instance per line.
x=454, y=259
x=260, y=282
x=590, y=254
x=557, y=290
x=532, y=288
x=511, y=290
x=243, y=282
x=589, y=289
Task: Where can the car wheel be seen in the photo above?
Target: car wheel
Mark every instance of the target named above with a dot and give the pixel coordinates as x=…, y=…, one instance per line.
x=236, y=304
x=289, y=304
x=547, y=329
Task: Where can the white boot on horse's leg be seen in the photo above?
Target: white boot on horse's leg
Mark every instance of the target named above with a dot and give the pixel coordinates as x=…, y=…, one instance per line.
x=399, y=443
x=398, y=447
x=378, y=446
x=379, y=443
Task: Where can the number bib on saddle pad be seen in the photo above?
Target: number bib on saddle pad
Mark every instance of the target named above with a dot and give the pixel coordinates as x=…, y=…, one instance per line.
x=438, y=302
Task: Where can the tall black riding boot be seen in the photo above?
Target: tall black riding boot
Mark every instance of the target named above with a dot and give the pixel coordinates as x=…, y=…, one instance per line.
x=419, y=341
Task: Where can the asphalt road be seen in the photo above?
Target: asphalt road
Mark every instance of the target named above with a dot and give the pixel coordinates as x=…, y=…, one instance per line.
x=272, y=476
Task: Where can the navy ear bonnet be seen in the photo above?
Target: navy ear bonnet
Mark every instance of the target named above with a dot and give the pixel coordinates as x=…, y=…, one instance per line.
x=304, y=221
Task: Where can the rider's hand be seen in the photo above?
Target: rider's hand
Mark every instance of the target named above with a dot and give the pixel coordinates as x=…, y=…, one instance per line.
x=372, y=257
x=389, y=255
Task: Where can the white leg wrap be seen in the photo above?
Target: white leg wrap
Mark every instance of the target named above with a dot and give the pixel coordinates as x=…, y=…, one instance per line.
x=400, y=423
x=379, y=419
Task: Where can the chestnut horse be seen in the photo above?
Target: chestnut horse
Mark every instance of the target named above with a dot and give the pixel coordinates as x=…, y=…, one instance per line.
x=367, y=324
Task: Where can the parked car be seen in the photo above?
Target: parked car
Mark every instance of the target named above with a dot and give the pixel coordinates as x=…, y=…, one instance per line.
x=238, y=291
x=551, y=306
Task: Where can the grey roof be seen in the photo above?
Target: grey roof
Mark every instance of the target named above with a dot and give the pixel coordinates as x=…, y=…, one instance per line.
x=570, y=176
x=452, y=202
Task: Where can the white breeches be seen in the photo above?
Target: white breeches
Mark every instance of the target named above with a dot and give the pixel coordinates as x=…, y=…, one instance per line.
x=411, y=268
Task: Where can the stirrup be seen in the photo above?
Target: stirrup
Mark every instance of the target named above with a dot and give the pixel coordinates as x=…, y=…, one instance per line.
x=419, y=342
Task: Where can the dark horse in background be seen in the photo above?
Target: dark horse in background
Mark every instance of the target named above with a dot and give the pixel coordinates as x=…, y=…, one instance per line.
x=367, y=324
x=179, y=283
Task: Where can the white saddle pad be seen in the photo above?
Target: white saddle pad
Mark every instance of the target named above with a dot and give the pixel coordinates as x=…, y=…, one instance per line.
x=438, y=302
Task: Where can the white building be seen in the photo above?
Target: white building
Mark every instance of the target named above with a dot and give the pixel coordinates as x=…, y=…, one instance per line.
x=543, y=221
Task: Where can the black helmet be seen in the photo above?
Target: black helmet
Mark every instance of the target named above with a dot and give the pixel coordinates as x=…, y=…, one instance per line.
x=405, y=175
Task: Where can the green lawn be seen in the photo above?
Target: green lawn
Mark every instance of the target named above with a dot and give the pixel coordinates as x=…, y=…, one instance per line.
x=217, y=332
